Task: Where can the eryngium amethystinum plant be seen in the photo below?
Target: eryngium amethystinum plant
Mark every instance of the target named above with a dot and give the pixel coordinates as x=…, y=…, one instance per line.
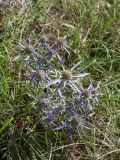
x=63, y=100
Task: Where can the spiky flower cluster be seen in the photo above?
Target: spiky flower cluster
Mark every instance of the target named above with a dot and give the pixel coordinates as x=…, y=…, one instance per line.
x=63, y=101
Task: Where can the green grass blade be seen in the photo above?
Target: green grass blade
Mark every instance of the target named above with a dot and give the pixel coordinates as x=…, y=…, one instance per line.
x=6, y=124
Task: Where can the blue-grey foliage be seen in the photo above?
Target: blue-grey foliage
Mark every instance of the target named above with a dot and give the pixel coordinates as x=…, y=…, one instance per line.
x=65, y=102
